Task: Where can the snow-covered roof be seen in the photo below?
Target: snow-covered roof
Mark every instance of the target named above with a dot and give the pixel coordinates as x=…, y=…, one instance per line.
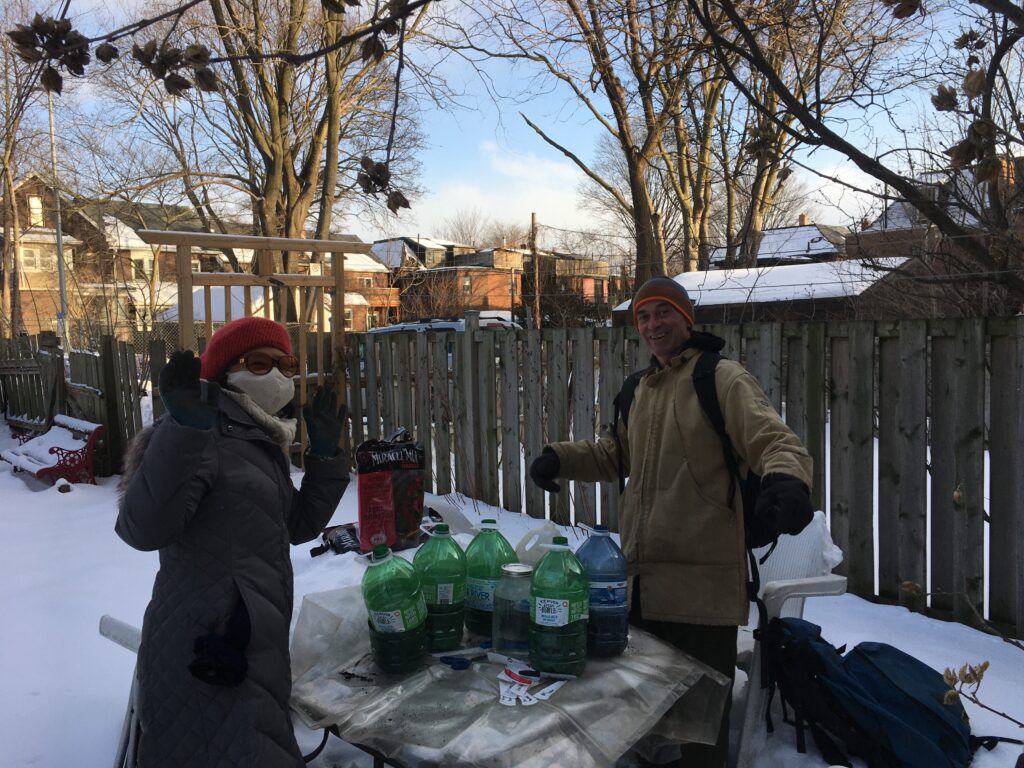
x=121, y=236
x=166, y=293
x=363, y=262
x=393, y=253
x=795, y=282
x=807, y=242
x=434, y=243
x=217, y=303
x=42, y=235
x=352, y=299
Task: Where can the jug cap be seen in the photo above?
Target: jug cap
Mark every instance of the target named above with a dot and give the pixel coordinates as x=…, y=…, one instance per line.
x=516, y=570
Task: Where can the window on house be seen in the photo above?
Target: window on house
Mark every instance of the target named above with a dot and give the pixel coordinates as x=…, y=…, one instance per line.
x=38, y=260
x=467, y=285
x=372, y=318
x=366, y=282
x=599, y=292
x=143, y=267
x=348, y=319
x=35, y=211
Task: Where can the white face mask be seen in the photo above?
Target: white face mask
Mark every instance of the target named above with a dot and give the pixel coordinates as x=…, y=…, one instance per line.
x=271, y=391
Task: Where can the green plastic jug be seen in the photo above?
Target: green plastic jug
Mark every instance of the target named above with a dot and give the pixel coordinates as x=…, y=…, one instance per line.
x=441, y=566
x=559, y=603
x=397, y=612
x=485, y=555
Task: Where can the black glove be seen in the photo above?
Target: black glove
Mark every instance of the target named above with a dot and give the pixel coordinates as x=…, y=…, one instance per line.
x=544, y=470
x=191, y=403
x=324, y=422
x=783, y=506
x=220, y=659
x=217, y=661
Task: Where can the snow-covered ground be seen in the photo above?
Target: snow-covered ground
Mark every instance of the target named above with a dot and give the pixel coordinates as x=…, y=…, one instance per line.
x=65, y=687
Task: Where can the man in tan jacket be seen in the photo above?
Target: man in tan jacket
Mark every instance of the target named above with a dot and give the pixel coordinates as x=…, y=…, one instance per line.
x=685, y=546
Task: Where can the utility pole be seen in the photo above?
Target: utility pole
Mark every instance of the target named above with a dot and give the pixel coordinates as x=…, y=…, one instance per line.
x=62, y=315
x=536, y=271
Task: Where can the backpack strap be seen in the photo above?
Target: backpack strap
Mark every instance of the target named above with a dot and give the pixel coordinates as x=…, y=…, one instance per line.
x=622, y=403
x=707, y=393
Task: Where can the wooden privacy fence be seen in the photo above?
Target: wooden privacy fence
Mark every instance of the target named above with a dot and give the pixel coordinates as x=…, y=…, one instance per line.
x=31, y=370
x=98, y=386
x=923, y=401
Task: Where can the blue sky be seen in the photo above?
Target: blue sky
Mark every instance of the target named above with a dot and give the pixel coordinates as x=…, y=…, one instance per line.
x=481, y=155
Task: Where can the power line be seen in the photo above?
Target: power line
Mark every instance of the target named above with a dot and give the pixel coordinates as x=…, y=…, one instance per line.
x=891, y=241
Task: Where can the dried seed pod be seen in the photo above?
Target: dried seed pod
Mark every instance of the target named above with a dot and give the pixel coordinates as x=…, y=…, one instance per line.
x=144, y=53
x=51, y=81
x=974, y=83
x=986, y=171
x=106, y=52
x=380, y=174
x=23, y=36
x=905, y=9
x=207, y=80
x=196, y=56
x=397, y=200
x=961, y=155
x=982, y=131
x=372, y=49
x=944, y=99
x=175, y=84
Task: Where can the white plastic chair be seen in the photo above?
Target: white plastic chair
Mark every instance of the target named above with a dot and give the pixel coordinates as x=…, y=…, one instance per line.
x=800, y=567
x=128, y=637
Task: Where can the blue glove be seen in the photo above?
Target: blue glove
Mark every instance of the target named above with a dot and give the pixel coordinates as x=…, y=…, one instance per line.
x=324, y=420
x=190, y=403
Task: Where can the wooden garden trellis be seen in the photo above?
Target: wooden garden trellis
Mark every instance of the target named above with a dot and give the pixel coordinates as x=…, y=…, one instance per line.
x=306, y=293
x=933, y=396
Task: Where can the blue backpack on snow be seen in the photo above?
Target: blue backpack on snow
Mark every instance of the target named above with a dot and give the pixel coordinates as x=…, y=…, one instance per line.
x=876, y=702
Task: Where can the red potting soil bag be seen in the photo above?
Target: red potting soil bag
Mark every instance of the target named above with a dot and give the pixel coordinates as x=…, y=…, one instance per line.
x=389, y=483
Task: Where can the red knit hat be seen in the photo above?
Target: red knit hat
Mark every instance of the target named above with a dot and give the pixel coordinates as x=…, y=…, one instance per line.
x=238, y=337
x=667, y=290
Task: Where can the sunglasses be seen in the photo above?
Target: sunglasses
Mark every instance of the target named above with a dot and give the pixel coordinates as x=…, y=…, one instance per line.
x=260, y=363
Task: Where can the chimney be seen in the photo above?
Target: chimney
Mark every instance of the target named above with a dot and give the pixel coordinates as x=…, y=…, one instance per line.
x=803, y=219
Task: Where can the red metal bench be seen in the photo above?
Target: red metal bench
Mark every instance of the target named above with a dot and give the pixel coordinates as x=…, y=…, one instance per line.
x=65, y=450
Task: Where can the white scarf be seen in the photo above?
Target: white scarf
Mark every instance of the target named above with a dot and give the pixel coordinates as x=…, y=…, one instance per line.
x=281, y=431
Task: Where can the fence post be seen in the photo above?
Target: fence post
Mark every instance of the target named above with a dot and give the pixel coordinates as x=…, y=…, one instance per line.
x=157, y=361
x=112, y=400
x=186, y=322
x=1006, y=534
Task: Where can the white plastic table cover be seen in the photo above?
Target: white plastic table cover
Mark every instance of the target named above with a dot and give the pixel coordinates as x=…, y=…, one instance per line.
x=442, y=717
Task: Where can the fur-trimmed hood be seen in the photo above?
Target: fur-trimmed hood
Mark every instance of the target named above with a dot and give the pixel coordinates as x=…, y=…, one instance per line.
x=133, y=458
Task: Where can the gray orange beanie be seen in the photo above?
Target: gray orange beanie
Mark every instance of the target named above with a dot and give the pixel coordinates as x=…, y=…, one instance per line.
x=664, y=289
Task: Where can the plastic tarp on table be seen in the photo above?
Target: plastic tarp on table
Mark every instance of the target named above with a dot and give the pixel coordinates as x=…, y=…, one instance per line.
x=438, y=716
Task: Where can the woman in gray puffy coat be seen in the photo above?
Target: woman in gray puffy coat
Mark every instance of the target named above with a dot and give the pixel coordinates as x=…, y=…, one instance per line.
x=210, y=488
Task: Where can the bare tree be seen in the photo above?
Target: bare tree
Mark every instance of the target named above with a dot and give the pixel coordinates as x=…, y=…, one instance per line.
x=465, y=226
x=20, y=136
x=471, y=226
x=977, y=87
